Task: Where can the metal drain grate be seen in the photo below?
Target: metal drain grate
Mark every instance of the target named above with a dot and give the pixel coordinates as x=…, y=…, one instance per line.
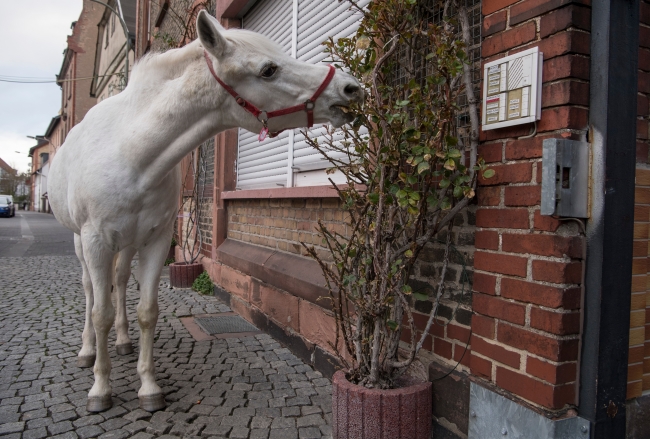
x=224, y=325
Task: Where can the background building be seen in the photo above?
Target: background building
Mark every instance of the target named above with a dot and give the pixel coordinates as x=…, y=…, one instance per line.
x=78, y=67
x=8, y=178
x=110, y=52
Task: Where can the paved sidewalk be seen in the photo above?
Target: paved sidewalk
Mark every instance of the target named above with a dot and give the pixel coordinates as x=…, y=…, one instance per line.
x=249, y=387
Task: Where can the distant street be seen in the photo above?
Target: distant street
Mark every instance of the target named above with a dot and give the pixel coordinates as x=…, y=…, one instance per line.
x=34, y=234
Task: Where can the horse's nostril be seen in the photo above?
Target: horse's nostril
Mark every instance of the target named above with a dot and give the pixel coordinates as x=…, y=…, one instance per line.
x=351, y=89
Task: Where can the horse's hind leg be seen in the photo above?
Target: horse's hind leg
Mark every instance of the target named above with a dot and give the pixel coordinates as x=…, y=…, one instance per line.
x=86, y=357
x=152, y=258
x=123, y=344
x=99, y=260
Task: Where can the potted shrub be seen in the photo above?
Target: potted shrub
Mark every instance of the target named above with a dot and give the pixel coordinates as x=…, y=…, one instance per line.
x=406, y=179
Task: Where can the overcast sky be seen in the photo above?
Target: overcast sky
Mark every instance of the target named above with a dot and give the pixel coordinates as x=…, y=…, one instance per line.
x=32, y=38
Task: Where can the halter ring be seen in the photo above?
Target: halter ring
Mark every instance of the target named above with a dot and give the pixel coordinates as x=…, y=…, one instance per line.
x=309, y=105
x=263, y=117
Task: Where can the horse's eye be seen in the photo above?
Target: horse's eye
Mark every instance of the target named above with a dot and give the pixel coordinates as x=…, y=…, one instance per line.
x=269, y=71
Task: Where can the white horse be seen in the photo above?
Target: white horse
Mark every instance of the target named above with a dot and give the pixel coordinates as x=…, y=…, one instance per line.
x=115, y=182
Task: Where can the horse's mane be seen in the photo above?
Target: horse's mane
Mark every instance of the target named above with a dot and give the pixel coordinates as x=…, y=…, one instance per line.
x=173, y=62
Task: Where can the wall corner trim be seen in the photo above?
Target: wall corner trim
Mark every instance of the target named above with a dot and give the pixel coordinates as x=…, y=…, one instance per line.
x=492, y=415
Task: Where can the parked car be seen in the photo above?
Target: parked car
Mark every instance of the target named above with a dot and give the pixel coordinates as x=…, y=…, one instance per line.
x=7, y=207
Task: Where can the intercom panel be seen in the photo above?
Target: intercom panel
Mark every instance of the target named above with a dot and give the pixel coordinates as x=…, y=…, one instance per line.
x=512, y=90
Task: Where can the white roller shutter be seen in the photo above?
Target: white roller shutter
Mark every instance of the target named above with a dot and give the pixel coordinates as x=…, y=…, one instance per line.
x=317, y=21
x=266, y=164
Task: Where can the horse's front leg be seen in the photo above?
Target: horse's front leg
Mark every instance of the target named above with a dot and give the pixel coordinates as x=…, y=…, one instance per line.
x=86, y=357
x=99, y=260
x=123, y=344
x=152, y=258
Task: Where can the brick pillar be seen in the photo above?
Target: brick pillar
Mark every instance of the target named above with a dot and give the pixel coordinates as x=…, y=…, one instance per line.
x=528, y=267
x=638, y=376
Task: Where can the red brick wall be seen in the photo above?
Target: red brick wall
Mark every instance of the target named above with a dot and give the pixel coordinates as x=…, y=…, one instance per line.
x=638, y=375
x=528, y=267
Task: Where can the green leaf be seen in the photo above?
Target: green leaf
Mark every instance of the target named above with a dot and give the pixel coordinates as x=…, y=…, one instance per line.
x=408, y=254
x=373, y=198
x=488, y=173
x=451, y=140
x=438, y=80
x=401, y=194
x=444, y=183
x=392, y=325
x=420, y=297
x=423, y=166
x=450, y=164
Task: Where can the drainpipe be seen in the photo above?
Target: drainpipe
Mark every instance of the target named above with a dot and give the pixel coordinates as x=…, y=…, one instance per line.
x=612, y=120
x=128, y=41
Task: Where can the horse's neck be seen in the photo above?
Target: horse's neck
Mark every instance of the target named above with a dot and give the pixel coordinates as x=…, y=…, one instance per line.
x=179, y=108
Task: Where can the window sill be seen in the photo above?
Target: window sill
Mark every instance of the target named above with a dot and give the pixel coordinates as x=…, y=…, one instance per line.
x=291, y=192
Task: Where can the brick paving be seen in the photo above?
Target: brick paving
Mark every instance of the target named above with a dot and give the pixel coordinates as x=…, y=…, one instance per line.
x=248, y=387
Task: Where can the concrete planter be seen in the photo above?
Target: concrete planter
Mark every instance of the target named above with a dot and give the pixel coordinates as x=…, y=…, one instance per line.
x=182, y=275
x=361, y=413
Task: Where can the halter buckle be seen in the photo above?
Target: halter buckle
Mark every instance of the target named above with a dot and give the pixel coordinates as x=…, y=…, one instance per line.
x=263, y=117
x=309, y=105
x=240, y=101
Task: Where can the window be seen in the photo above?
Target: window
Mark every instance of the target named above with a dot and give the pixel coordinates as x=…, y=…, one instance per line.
x=300, y=28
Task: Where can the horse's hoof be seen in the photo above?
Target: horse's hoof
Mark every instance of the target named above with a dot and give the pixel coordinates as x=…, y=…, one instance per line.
x=99, y=403
x=124, y=349
x=86, y=361
x=152, y=403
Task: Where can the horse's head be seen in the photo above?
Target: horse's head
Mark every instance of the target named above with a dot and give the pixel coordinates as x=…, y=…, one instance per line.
x=263, y=75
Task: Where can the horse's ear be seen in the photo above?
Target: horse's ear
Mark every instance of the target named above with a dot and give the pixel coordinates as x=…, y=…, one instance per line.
x=210, y=34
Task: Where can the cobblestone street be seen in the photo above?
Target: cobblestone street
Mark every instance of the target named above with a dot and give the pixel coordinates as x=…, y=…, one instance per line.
x=249, y=387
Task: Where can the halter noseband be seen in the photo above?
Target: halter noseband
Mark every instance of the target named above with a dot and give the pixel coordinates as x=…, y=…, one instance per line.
x=264, y=116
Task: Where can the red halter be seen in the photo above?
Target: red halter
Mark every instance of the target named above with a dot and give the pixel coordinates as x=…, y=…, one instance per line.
x=264, y=116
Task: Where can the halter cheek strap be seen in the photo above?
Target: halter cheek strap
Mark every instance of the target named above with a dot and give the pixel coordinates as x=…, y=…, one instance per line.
x=264, y=116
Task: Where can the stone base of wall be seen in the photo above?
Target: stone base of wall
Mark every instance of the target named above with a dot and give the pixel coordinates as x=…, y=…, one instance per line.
x=638, y=417
x=280, y=294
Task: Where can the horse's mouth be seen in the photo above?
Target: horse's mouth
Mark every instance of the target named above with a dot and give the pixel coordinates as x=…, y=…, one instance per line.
x=343, y=108
x=343, y=111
